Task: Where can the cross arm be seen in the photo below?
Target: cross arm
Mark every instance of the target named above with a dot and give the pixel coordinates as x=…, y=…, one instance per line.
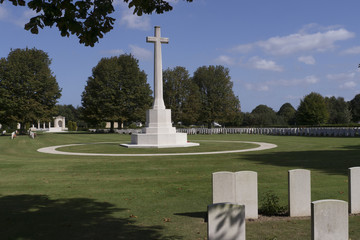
x=155, y=39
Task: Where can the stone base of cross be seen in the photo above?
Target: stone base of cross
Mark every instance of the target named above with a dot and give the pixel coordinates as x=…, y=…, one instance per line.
x=159, y=132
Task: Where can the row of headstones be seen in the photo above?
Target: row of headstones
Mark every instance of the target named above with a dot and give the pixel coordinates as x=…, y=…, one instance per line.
x=233, y=191
x=330, y=132
x=329, y=221
x=120, y=131
x=127, y=131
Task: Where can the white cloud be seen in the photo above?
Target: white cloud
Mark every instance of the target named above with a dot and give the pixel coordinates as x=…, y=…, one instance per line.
x=263, y=64
x=25, y=18
x=18, y=18
x=292, y=97
x=341, y=76
x=140, y=53
x=311, y=80
x=3, y=13
x=244, y=48
x=113, y=52
x=299, y=42
x=310, y=60
x=265, y=86
x=295, y=82
x=249, y=86
x=347, y=85
x=118, y=3
x=315, y=27
x=257, y=87
x=353, y=50
x=320, y=41
x=135, y=22
x=226, y=60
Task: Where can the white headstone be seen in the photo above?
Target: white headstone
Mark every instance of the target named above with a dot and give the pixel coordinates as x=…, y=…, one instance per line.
x=246, y=192
x=299, y=192
x=223, y=187
x=226, y=222
x=329, y=220
x=354, y=190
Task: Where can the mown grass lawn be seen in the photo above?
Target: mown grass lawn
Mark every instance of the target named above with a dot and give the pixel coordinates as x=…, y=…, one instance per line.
x=45, y=196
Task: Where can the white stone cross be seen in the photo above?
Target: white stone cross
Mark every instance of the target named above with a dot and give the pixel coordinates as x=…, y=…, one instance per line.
x=158, y=80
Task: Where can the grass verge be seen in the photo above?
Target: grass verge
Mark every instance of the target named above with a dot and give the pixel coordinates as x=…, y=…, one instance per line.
x=47, y=196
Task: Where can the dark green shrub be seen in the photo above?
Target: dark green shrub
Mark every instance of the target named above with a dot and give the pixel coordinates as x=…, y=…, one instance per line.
x=270, y=205
x=72, y=126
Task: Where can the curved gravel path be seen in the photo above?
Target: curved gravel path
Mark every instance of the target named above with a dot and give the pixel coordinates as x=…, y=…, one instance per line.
x=52, y=150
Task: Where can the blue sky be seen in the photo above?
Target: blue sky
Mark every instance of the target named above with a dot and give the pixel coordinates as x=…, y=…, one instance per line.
x=277, y=51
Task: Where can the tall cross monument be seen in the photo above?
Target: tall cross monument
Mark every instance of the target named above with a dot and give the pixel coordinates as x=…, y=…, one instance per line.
x=158, y=80
x=159, y=132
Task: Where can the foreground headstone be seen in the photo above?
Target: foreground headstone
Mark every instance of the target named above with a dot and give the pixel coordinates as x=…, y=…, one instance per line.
x=299, y=193
x=246, y=192
x=226, y=222
x=354, y=190
x=329, y=220
x=223, y=187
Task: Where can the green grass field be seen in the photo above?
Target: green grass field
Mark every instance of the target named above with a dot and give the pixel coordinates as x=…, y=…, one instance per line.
x=45, y=196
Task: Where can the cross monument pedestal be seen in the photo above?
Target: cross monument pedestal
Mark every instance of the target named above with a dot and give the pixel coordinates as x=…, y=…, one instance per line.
x=159, y=132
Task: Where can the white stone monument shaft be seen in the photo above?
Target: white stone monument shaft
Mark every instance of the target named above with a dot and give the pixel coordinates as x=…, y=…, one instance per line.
x=159, y=132
x=158, y=80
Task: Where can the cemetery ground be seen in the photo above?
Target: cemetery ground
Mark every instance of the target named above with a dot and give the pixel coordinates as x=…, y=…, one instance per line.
x=45, y=196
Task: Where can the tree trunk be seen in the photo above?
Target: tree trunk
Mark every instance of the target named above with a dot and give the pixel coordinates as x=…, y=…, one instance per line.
x=112, y=126
x=22, y=129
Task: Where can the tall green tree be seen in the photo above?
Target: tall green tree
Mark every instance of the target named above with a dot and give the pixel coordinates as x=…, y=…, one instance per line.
x=339, y=112
x=28, y=89
x=218, y=101
x=312, y=110
x=116, y=91
x=287, y=112
x=248, y=119
x=355, y=108
x=181, y=95
x=89, y=20
x=69, y=112
x=264, y=116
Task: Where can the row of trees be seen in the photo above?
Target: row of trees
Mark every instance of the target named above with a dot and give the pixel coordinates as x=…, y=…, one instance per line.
x=118, y=91
x=205, y=98
x=314, y=109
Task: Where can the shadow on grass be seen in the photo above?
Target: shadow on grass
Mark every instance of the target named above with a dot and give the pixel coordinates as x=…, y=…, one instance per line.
x=38, y=217
x=328, y=161
x=202, y=215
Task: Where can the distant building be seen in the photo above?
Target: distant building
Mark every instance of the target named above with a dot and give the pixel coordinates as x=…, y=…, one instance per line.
x=59, y=125
x=108, y=125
